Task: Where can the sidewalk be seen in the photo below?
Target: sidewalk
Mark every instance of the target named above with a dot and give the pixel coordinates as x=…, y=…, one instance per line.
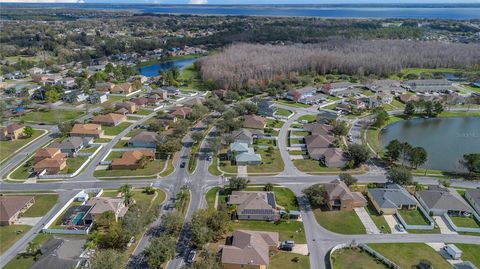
x=370, y=226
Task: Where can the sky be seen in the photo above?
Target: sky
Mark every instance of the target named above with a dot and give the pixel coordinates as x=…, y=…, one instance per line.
x=233, y=2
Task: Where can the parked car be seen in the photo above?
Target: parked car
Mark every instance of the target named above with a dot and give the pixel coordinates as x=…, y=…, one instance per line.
x=399, y=228
x=182, y=165
x=191, y=256
x=287, y=245
x=209, y=157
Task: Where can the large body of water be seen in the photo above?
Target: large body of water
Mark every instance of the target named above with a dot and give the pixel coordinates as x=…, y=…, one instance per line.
x=429, y=11
x=444, y=139
x=155, y=69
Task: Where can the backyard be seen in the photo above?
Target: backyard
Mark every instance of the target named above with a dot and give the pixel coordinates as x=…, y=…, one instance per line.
x=348, y=258
x=9, y=147
x=291, y=230
x=468, y=222
x=115, y=130
x=307, y=118
x=271, y=161
x=343, y=222
x=289, y=260
x=52, y=116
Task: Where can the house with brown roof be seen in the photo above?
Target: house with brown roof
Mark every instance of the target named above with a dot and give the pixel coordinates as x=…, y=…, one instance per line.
x=334, y=157
x=100, y=205
x=254, y=122
x=132, y=159
x=339, y=196
x=139, y=101
x=249, y=249
x=122, y=88
x=197, y=100
x=144, y=140
x=12, y=131
x=316, y=128
x=47, y=153
x=129, y=106
x=181, y=111
x=110, y=119
x=11, y=208
x=406, y=97
x=104, y=87
x=254, y=205
x=317, y=141
x=87, y=130
x=50, y=166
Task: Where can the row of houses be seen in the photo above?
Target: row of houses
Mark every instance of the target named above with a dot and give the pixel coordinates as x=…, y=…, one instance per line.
x=320, y=145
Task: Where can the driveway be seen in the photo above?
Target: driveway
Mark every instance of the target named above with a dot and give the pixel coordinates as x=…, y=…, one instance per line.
x=392, y=221
x=301, y=249
x=444, y=228
x=242, y=171
x=28, y=221
x=368, y=223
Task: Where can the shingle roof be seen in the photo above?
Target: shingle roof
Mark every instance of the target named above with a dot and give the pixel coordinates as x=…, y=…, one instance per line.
x=104, y=204
x=337, y=189
x=10, y=205
x=253, y=202
x=393, y=196
x=443, y=200
x=318, y=141
x=72, y=142
x=109, y=118
x=249, y=247
x=148, y=137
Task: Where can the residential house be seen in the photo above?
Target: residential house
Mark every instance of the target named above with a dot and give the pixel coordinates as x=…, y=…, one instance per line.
x=100, y=205
x=339, y=88
x=339, y=197
x=333, y=157
x=172, y=90
x=48, y=153
x=74, y=97
x=154, y=99
x=386, y=86
x=166, y=120
x=129, y=106
x=428, y=85
x=98, y=98
x=53, y=80
x=132, y=159
x=50, y=166
x=111, y=119
x=326, y=116
x=254, y=122
x=254, y=205
x=35, y=71
x=139, y=101
x=72, y=145
x=391, y=198
x=244, y=154
x=144, y=140
x=455, y=99
x=39, y=78
x=266, y=108
x=87, y=130
x=301, y=94
x=249, y=249
x=104, y=86
x=473, y=197
x=314, y=142
x=406, y=98
x=68, y=82
x=12, y=207
x=358, y=104
x=197, y=100
x=60, y=252
x=318, y=129
x=242, y=136
x=438, y=201
x=122, y=88
x=12, y=131
x=181, y=111
x=220, y=93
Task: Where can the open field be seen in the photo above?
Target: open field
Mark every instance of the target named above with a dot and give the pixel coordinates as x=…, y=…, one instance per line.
x=152, y=168
x=343, y=222
x=9, y=147
x=115, y=130
x=52, y=116
x=348, y=258
x=10, y=234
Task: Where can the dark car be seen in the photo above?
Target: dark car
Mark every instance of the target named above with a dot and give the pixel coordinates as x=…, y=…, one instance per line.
x=182, y=165
x=191, y=256
x=287, y=245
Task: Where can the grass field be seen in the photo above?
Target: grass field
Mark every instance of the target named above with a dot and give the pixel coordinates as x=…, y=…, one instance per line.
x=43, y=204
x=283, y=112
x=378, y=219
x=114, y=154
x=308, y=118
x=475, y=89
x=348, y=258
x=115, y=130
x=74, y=163
x=143, y=111
x=22, y=172
x=274, y=123
x=150, y=169
x=169, y=169
x=342, y=222
x=286, y=260
x=469, y=222
x=7, y=148
x=413, y=217
x=283, y=196
x=10, y=234
x=291, y=103
x=459, y=114
x=309, y=165
x=470, y=253
x=271, y=162
x=213, y=167
x=407, y=255
x=373, y=133
x=210, y=196
x=292, y=230
x=52, y=116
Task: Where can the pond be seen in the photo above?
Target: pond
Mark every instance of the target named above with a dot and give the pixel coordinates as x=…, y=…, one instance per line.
x=444, y=139
x=154, y=69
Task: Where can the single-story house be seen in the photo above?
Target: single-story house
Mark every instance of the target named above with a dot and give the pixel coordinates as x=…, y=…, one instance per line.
x=111, y=119
x=131, y=159
x=428, y=85
x=48, y=153
x=181, y=111
x=299, y=94
x=144, y=140
x=101, y=205
x=50, y=166
x=244, y=154
x=334, y=157
x=254, y=122
x=391, y=198
x=473, y=197
x=60, y=252
x=242, y=135
x=12, y=131
x=197, y=100
x=11, y=207
x=339, y=88
x=254, y=205
x=326, y=116
x=266, y=108
x=406, y=98
x=339, y=196
x=74, y=97
x=438, y=201
x=139, y=101
x=72, y=145
x=122, y=88
x=385, y=85
x=87, y=130
x=104, y=86
x=315, y=141
x=130, y=106
x=318, y=129
x=249, y=249
x=98, y=98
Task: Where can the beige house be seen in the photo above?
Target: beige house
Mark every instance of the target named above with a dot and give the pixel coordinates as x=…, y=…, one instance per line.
x=110, y=119
x=11, y=132
x=11, y=207
x=254, y=122
x=339, y=196
x=104, y=204
x=254, y=205
x=123, y=88
x=87, y=130
x=50, y=166
x=249, y=249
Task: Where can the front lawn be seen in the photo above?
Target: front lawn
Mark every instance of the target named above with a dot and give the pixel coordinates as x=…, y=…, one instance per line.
x=143, y=111
x=283, y=112
x=9, y=147
x=22, y=172
x=310, y=165
x=283, y=196
x=89, y=149
x=378, y=219
x=115, y=130
x=210, y=196
x=213, y=167
x=169, y=169
x=271, y=162
x=308, y=118
x=294, y=141
x=289, y=260
x=291, y=103
x=292, y=230
x=73, y=164
x=413, y=217
x=408, y=255
x=151, y=169
x=43, y=204
x=10, y=234
x=274, y=123
x=52, y=116
x=114, y=155
x=342, y=222
x=299, y=133
x=468, y=222
x=470, y=253
x=102, y=140
x=347, y=258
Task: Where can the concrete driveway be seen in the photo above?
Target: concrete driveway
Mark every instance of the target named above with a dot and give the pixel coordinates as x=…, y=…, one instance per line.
x=28, y=221
x=301, y=249
x=392, y=221
x=242, y=171
x=444, y=229
x=368, y=223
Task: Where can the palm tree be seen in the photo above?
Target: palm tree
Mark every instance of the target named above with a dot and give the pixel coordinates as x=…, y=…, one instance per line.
x=127, y=194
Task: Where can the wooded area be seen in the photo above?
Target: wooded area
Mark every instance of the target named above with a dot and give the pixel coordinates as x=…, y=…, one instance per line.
x=239, y=64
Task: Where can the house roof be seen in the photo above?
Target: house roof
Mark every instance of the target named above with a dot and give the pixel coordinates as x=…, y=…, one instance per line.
x=474, y=194
x=126, y=104
x=317, y=128
x=123, y=87
x=239, y=147
x=72, y=142
x=89, y=128
x=242, y=134
x=181, y=111
x=392, y=196
x=10, y=205
x=59, y=253
x=109, y=118
x=146, y=137
x=139, y=100
x=333, y=155
x=318, y=141
x=131, y=157
x=249, y=247
x=337, y=189
x=122, y=111
x=249, y=156
x=49, y=163
x=197, y=100
x=443, y=199
x=254, y=121
x=104, y=204
x=14, y=127
x=49, y=152
x=253, y=202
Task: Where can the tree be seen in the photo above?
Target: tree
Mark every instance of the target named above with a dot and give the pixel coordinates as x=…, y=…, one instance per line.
x=438, y=108
x=238, y=183
x=429, y=109
x=208, y=225
x=381, y=117
x=340, y=128
x=197, y=137
x=52, y=96
x=409, y=110
x=394, y=149
x=471, y=162
x=268, y=187
x=399, y=175
x=33, y=249
x=28, y=131
x=347, y=179
x=215, y=144
x=208, y=261
x=315, y=195
x=136, y=84
x=358, y=154
x=172, y=223
x=108, y=258
x=114, y=236
x=127, y=193
x=160, y=250
x=417, y=156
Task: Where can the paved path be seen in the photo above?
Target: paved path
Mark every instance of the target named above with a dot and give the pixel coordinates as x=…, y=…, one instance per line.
x=443, y=226
x=392, y=222
x=367, y=221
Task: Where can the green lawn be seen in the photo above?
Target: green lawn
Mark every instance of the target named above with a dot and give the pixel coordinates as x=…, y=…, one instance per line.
x=373, y=133
x=22, y=172
x=283, y=112
x=114, y=154
x=331, y=107
x=283, y=196
x=213, y=167
x=475, y=89
x=294, y=141
x=102, y=140
x=150, y=169
x=413, y=217
x=469, y=222
x=343, y=222
x=348, y=258
x=115, y=130
x=309, y=118
x=10, y=234
x=460, y=114
x=407, y=255
x=299, y=133
x=271, y=162
x=283, y=260
x=210, y=196
x=470, y=253
x=169, y=169
x=378, y=219
x=292, y=230
x=297, y=152
x=291, y=103
x=418, y=71
x=143, y=111
x=9, y=147
x=74, y=163
x=52, y=116
x=20, y=262
x=274, y=123
x=309, y=165
x=89, y=150
x=43, y=204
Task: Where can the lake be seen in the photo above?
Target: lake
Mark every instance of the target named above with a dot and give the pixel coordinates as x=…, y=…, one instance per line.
x=154, y=69
x=444, y=139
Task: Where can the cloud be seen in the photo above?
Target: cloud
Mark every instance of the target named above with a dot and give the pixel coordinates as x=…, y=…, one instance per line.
x=198, y=2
